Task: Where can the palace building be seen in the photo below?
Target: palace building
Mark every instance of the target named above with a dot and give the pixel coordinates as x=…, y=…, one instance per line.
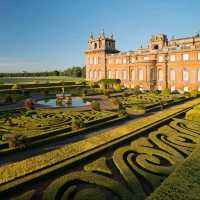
x=173, y=64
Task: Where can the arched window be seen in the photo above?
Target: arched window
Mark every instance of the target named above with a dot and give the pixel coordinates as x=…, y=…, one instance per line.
x=133, y=75
x=185, y=75
x=95, y=45
x=141, y=75
x=172, y=75
x=156, y=46
x=160, y=74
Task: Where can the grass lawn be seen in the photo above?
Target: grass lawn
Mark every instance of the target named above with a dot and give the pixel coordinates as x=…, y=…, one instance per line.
x=42, y=79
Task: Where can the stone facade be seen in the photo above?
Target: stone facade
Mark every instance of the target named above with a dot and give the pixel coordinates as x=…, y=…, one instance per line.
x=173, y=64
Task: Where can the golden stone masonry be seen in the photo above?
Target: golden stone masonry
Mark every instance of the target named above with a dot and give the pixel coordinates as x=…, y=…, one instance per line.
x=173, y=64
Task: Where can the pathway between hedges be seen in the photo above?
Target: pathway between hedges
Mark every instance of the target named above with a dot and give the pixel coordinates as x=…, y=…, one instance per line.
x=6, y=159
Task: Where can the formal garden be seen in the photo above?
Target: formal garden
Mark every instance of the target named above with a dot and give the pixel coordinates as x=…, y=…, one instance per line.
x=137, y=160
x=147, y=141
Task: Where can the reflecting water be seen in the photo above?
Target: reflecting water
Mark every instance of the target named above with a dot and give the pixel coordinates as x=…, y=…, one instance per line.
x=75, y=102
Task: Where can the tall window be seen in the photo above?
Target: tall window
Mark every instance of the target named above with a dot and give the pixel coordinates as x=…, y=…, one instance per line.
x=160, y=58
x=172, y=58
x=91, y=74
x=185, y=56
x=185, y=89
x=109, y=74
x=173, y=88
x=159, y=87
x=95, y=60
x=98, y=60
x=152, y=74
x=124, y=61
x=141, y=74
x=95, y=74
x=172, y=75
x=198, y=56
x=117, y=74
x=124, y=75
x=133, y=75
x=100, y=75
x=198, y=74
x=185, y=75
x=160, y=74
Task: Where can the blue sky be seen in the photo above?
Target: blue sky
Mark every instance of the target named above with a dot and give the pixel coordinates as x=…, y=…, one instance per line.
x=42, y=35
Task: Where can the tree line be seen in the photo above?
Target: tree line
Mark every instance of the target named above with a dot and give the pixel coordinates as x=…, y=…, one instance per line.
x=75, y=71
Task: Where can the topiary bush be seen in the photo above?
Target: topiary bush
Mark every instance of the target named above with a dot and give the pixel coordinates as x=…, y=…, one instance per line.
x=77, y=123
x=16, y=140
x=166, y=92
x=194, y=93
x=95, y=105
x=156, y=92
x=117, y=87
x=122, y=112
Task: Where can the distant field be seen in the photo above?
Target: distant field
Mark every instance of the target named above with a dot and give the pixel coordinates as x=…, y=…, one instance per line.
x=40, y=79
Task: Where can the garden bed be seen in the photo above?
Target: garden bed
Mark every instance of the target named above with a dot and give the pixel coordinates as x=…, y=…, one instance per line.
x=48, y=125
x=127, y=148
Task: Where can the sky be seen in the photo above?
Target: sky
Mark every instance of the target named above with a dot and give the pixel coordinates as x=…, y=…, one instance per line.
x=44, y=35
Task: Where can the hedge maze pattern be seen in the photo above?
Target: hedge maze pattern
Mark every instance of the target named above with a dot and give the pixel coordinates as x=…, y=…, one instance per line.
x=148, y=100
x=46, y=120
x=132, y=171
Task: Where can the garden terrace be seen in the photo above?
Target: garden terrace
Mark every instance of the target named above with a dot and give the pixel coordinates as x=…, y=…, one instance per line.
x=149, y=101
x=48, y=123
x=125, y=163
